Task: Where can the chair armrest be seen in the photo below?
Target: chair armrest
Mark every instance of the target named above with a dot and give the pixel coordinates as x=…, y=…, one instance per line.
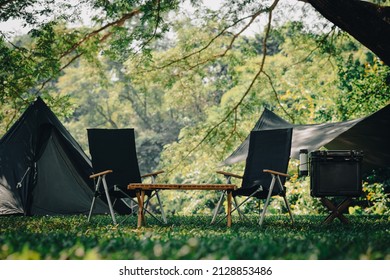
x=228, y=174
x=152, y=174
x=100, y=174
x=276, y=173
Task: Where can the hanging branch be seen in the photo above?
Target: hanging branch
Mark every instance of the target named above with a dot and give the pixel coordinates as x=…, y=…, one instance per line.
x=276, y=95
x=87, y=37
x=120, y=22
x=324, y=38
x=158, y=20
x=230, y=46
x=238, y=104
x=252, y=18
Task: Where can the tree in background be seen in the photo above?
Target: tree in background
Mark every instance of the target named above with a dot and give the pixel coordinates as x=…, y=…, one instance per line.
x=117, y=29
x=195, y=86
x=121, y=28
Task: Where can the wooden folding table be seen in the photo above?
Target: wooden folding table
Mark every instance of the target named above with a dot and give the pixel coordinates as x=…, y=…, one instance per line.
x=141, y=188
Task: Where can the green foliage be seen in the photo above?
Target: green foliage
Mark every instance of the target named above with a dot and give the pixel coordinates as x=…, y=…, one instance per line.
x=298, y=195
x=184, y=92
x=365, y=86
x=191, y=237
x=33, y=62
x=375, y=200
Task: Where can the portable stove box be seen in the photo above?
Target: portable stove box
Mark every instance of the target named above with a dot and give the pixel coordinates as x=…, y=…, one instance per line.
x=335, y=173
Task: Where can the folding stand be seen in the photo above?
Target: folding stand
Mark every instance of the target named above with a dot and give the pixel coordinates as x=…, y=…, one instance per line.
x=336, y=211
x=336, y=173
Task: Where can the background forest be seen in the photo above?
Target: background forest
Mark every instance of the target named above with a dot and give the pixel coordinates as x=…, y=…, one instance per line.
x=193, y=81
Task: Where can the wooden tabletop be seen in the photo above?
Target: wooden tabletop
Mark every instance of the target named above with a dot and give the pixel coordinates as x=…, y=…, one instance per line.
x=141, y=186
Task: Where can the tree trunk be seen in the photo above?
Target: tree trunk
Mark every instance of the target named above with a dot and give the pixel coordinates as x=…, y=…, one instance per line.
x=367, y=22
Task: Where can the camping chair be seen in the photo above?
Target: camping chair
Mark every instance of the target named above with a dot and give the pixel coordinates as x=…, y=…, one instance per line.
x=265, y=170
x=115, y=165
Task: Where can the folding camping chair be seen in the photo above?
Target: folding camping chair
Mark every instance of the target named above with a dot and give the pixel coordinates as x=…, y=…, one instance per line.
x=265, y=170
x=115, y=164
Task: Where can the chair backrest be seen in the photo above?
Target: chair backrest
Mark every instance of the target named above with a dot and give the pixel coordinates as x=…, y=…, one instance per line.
x=268, y=149
x=115, y=149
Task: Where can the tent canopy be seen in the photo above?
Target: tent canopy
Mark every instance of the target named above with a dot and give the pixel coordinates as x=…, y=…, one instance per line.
x=43, y=170
x=369, y=134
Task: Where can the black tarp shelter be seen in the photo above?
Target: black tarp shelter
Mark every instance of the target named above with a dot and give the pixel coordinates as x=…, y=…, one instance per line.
x=369, y=134
x=43, y=170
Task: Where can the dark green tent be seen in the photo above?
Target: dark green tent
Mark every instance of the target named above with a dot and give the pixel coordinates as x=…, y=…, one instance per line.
x=369, y=134
x=43, y=170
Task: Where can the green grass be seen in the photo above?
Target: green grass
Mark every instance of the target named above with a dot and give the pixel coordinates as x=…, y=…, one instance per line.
x=191, y=237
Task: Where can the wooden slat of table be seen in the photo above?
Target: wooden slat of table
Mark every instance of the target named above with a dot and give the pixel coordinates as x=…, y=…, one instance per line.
x=181, y=186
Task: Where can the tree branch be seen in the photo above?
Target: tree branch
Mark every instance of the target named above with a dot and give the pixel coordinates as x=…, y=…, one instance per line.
x=276, y=95
x=118, y=22
x=238, y=104
x=108, y=118
x=158, y=20
x=252, y=18
x=316, y=48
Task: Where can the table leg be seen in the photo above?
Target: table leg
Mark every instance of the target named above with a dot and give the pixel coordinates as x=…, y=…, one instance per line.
x=140, y=207
x=143, y=212
x=229, y=208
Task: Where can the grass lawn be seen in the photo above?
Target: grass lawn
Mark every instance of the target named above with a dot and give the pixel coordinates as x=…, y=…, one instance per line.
x=191, y=237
